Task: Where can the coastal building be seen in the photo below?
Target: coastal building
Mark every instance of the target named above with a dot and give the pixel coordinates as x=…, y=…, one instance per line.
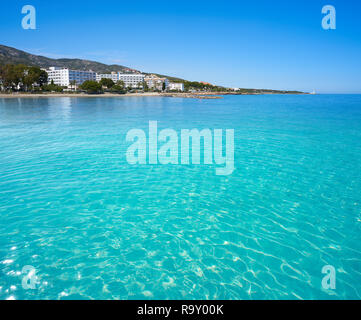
x=155, y=82
x=176, y=86
x=113, y=76
x=64, y=76
x=131, y=79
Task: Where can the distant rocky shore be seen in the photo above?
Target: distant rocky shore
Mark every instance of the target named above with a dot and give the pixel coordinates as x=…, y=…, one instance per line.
x=191, y=95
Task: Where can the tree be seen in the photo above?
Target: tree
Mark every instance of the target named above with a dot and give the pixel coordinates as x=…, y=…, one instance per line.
x=12, y=76
x=34, y=76
x=118, y=89
x=121, y=83
x=52, y=88
x=43, y=78
x=3, y=84
x=145, y=86
x=21, y=77
x=91, y=86
x=107, y=82
x=72, y=84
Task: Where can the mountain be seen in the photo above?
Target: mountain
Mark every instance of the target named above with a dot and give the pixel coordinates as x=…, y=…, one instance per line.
x=9, y=55
x=15, y=56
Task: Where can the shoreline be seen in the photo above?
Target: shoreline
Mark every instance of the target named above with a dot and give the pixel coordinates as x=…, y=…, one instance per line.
x=76, y=95
x=194, y=95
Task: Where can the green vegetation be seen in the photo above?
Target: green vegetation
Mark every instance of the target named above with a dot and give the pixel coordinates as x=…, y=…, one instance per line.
x=198, y=86
x=15, y=56
x=109, y=83
x=52, y=87
x=91, y=86
x=171, y=79
x=266, y=91
x=145, y=87
x=22, y=78
x=72, y=84
x=121, y=83
x=190, y=86
x=118, y=89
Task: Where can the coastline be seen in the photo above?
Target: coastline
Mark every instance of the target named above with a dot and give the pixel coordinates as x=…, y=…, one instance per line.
x=76, y=95
x=195, y=95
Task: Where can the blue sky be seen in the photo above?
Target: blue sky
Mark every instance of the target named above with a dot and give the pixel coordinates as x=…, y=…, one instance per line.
x=249, y=44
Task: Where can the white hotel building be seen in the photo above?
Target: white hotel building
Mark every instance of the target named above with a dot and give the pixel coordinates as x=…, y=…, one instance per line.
x=155, y=82
x=129, y=79
x=113, y=76
x=65, y=76
x=176, y=86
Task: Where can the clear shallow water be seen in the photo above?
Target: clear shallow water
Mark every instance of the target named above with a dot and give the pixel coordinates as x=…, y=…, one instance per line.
x=94, y=226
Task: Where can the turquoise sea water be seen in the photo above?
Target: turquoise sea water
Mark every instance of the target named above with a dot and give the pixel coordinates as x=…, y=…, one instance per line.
x=95, y=227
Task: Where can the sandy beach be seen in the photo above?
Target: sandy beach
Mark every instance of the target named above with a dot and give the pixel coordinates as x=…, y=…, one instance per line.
x=194, y=95
x=78, y=95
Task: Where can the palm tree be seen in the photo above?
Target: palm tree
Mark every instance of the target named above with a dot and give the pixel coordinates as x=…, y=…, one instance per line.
x=73, y=84
x=121, y=83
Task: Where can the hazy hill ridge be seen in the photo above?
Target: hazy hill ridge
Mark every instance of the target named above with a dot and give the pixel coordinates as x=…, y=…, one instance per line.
x=15, y=56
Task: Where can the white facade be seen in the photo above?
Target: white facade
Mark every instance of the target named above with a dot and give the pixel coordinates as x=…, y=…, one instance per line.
x=60, y=76
x=176, y=86
x=154, y=82
x=113, y=76
x=64, y=76
x=131, y=79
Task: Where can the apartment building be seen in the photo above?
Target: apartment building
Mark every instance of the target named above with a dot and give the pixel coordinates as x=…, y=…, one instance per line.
x=175, y=86
x=113, y=76
x=131, y=79
x=64, y=76
x=155, y=82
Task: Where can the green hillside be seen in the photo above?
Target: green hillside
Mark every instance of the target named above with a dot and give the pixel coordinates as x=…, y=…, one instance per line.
x=10, y=55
